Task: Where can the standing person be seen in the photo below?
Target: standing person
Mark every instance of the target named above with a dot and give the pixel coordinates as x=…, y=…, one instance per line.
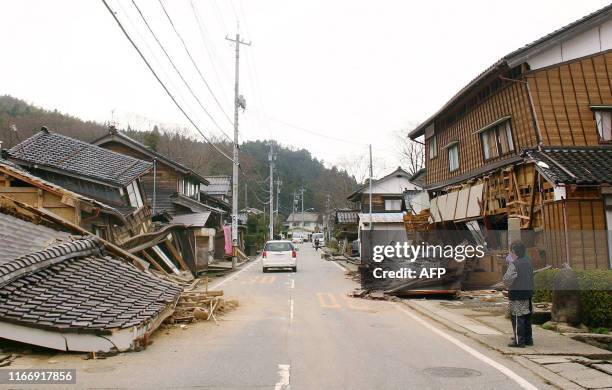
x=519, y=281
x=316, y=244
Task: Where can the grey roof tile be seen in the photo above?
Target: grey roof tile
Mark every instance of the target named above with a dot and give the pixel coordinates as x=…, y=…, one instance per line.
x=573, y=165
x=79, y=158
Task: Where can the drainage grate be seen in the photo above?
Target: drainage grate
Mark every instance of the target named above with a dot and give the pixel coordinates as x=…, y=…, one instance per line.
x=451, y=372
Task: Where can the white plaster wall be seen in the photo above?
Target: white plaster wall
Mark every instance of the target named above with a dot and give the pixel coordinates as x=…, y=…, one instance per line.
x=584, y=44
x=392, y=185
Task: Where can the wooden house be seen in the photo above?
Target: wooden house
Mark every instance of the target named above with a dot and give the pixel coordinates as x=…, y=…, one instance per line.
x=92, y=187
x=174, y=193
x=526, y=146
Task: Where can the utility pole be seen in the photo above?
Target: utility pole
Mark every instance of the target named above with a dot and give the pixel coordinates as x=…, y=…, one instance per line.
x=370, y=182
x=302, y=192
x=246, y=195
x=238, y=102
x=279, y=183
x=271, y=158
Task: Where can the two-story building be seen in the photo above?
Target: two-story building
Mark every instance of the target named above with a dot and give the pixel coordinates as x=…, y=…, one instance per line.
x=108, y=184
x=174, y=193
x=526, y=146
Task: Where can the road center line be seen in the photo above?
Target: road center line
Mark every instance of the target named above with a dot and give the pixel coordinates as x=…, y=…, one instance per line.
x=498, y=366
x=292, y=283
x=234, y=276
x=283, y=373
x=290, y=310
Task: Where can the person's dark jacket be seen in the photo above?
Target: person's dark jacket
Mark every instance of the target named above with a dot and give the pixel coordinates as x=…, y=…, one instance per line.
x=522, y=287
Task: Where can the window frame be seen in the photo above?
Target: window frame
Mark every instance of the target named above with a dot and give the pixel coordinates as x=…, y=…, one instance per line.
x=496, y=130
x=598, y=111
x=449, y=150
x=433, y=145
x=393, y=200
x=134, y=195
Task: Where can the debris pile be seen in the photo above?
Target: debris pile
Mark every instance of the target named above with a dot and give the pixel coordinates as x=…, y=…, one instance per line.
x=200, y=304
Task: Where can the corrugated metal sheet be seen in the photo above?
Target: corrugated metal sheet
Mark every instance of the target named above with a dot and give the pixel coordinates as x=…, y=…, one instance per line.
x=195, y=220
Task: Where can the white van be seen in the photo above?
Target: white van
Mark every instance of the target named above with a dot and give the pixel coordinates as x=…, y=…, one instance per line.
x=318, y=236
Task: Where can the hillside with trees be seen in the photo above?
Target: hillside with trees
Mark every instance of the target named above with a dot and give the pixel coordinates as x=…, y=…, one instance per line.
x=295, y=167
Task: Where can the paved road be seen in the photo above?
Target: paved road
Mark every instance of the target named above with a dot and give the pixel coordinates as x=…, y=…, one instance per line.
x=301, y=329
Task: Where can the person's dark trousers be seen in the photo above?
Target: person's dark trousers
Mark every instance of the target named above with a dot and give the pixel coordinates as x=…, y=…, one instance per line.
x=521, y=328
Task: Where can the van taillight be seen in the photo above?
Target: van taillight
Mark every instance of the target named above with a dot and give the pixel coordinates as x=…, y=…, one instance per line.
x=264, y=254
x=293, y=254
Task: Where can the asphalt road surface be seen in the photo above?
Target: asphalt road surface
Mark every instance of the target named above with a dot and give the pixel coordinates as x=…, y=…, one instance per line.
x=301, y=331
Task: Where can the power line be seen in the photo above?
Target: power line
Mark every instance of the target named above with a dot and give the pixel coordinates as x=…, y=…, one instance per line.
x=193, y=61
x=161, y=82
x=177, y=70
x=317, y=133
x=209, y=50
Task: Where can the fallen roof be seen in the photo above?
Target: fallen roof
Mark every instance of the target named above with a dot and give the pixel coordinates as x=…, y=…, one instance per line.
x=347, y=216
x=58, y=152
x=124, y=139
x=219, y=185
x=382, y=217
x=56, y=288
x=513, y=58
x=573, y=165
x=16, y=171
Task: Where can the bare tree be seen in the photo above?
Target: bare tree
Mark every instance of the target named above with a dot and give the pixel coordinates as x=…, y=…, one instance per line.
x=411, y=153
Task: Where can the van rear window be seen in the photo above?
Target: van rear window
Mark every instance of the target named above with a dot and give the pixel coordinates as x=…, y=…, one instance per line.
x=279, y=247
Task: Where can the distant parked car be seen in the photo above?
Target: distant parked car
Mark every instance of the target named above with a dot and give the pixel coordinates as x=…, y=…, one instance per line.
x=279, y=254
x=297, y=239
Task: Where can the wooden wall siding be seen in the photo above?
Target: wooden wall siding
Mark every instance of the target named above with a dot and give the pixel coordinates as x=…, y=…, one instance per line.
x=562, y=96
x=510, y=100
x=166, y=182
x=586, y=233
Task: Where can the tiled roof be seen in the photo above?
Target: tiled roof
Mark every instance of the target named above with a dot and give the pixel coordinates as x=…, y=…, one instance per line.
x=573, y=165
x=72, y=286
x=19, y=238
x=347, y=216
x=219, y=185
x=124, y=139
x=78, y=158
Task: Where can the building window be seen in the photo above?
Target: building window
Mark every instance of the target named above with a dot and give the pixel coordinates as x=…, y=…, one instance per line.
x=433, y=148
x=453, y=157
x=393, y=204
x=134, y=195
x=497, y=141
x=604, y=124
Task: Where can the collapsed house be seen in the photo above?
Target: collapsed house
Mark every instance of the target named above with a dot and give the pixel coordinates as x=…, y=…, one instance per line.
x=176, y=195
x=344, y=228
x=108, y=178
x=71, y=292
x=524, y=149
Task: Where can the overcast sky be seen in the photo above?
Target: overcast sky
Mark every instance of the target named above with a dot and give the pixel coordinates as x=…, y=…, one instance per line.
x=348, y=69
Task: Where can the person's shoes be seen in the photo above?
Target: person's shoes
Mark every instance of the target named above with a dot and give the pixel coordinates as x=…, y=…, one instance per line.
x=515, y=345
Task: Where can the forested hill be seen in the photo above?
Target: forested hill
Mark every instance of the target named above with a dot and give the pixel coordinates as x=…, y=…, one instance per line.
x=295, y=167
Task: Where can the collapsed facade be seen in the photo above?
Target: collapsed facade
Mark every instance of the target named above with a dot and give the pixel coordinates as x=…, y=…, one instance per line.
x=71, y=292
x=525, y=147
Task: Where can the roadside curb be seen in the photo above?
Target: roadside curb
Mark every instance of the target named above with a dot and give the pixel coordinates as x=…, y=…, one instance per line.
x=537, y=369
